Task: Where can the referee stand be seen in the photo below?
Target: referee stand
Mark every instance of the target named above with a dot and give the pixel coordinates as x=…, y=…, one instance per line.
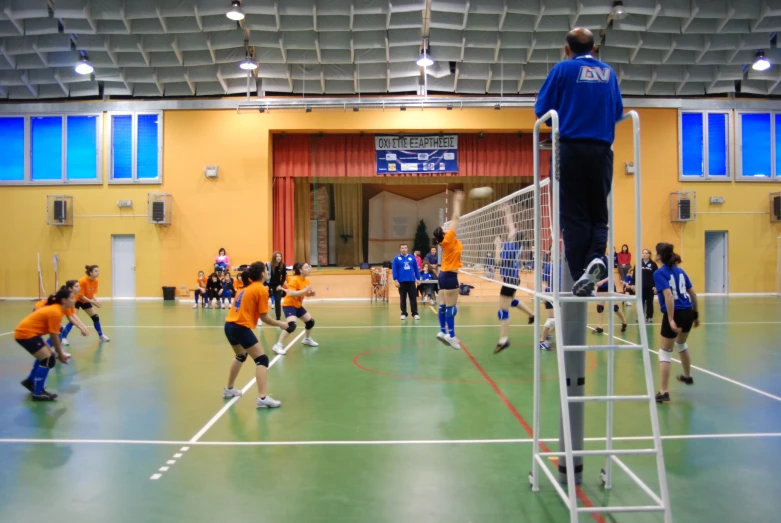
x=570, y=313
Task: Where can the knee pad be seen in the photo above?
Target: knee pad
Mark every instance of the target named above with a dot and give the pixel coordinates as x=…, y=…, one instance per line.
x=615, y=308
x=600, y=309
x=550, y=323
x=95, y=318
x=291, y=326
x=241, y=358
x=50, y=362
x=665, y=356
x=514, y=303
x=681, y=347
x=503, y=314
x=442, y=308
x=262, y=360
x=309, y=324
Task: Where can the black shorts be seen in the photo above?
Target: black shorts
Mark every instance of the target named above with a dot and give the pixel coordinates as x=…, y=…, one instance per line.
x=240, y=335
x=684, y=318
x=83, y=306
x=32, y=345
x=448, y=280
x=293, y=311
x=507, y=291
x=548, y=305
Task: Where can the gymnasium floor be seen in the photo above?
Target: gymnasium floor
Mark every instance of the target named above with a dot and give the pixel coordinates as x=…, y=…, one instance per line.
x=380, y=423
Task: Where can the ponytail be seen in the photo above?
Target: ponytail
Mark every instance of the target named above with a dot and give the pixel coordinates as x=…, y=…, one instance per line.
x=297, y=268
x=62, y=294
x=90, y=268
x=667, y=254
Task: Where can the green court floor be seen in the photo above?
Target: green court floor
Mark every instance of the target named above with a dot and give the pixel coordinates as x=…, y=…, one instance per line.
x=380, y=423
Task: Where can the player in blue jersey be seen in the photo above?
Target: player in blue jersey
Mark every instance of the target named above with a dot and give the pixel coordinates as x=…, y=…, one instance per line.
x=585, y=93
x=508, y=258
x=601, y=289
x=678, y=303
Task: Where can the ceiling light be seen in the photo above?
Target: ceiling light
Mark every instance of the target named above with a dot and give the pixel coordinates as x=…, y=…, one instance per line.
x=425, y=60
x=618, y=12
x=84, y=66
x=235, y=12
x=761, y=63
x=249, y=63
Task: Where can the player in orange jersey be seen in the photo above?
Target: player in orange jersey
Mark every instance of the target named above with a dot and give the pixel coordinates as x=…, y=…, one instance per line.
x=29, y=334
x=70, y=314
x=250, y=305
x=298, y=286
x=448, y=276
x=201, y=290
x=87, y=297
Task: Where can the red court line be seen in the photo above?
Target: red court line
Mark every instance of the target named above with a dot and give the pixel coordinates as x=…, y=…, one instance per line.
x=581, y=495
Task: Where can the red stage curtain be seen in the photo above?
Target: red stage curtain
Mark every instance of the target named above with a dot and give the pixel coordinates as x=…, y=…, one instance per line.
x=292, y=159
x=284, y=233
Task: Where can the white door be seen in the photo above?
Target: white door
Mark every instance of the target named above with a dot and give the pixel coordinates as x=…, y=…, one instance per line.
x=313, y=247
x=123, y=265
x=716, y=274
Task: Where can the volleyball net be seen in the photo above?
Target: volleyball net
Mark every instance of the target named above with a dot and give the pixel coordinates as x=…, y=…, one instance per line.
x=499, y=238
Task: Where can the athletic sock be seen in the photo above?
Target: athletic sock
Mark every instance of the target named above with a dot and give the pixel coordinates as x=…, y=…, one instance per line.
x=502, y=341
x=40, y=378
x=442, y=319
x=37, y=364
x=451, y=323
x=67, y=330
x=98, y=328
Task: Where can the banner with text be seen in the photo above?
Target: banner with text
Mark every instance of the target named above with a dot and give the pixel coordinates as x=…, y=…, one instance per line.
x=411, y=154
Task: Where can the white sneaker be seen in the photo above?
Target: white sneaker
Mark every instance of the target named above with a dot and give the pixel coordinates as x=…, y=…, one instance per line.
x=65, y=342
x=260, y=323
x=195, y=305
x=441, y=336
x=68, y=354
x=310, y=342
x=417, y=317
x=208, y=305
x=228, y=393
x=279, y=349
x=267, y=403
x=403, y=316
x=454, y=342
x=587, y=283
x=103, y=337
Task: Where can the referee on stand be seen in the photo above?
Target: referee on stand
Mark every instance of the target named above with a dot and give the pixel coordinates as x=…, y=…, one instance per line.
x=585, y=94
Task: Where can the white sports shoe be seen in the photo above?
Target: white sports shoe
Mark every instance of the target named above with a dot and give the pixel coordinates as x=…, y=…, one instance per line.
x=417, y=317
x=310, y=342
x=441, y=336
x=454, y=342
x=228, y=393
x=103, y=337
x=587, y=283
x=279, y=349
x=65, y=341
x=403, y=316
x=267, y=403
x=195, y=305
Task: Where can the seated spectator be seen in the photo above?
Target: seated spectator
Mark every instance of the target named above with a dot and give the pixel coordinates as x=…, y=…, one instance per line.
x=223, y=262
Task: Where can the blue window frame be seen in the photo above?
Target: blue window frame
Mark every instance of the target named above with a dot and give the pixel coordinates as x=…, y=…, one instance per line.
x=704, y=143
x=46, y=148
x=136, y=147
x=82, y=147
x=757, y=147
x=12, y=149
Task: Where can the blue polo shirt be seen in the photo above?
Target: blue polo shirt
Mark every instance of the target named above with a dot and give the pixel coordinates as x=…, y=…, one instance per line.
x=678, y=282
x=585, y=93
x=405, y=268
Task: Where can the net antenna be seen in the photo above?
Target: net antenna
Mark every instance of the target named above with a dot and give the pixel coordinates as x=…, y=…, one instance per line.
x=498, y=238
x=41, y=289
x=56, y=265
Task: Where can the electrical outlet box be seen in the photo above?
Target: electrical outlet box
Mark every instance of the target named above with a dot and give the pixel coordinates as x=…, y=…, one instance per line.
x=124, y=204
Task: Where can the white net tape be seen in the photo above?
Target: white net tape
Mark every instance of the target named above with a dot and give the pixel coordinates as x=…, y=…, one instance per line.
x=499, y=238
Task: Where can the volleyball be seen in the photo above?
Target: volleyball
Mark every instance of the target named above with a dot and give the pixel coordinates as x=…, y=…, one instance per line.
x=478, y=193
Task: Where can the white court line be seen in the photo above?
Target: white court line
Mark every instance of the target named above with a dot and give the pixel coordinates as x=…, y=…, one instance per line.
x=6, y=333
x=228, y=405
x=711, y=373
x=132, y=442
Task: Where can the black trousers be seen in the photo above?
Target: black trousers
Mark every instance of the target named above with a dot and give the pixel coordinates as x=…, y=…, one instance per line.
x=586, y=177
x=408, y=288
x=648, y=302
x=278, y=304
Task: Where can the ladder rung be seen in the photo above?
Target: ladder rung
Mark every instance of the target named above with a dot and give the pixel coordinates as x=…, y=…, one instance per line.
x=573, y=348
x=606, y=297
x=638, y=508
x=601, y=452
x=584, y=399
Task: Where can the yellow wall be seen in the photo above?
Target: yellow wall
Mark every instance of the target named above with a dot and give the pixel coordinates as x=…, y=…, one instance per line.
x=235, y=210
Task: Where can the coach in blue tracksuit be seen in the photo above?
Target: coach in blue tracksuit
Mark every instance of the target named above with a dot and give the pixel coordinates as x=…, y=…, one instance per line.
x=406, y=275
x=585, y=93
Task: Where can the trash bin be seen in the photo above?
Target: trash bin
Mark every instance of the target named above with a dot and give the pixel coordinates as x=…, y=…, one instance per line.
x=169, y=293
